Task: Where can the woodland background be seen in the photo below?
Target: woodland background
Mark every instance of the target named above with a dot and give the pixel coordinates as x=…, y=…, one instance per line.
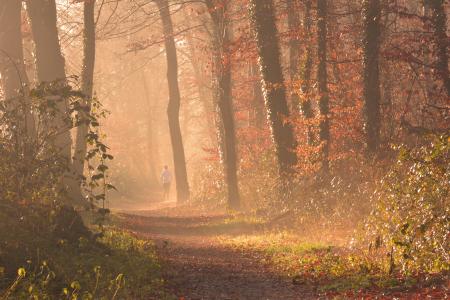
x=312, y=116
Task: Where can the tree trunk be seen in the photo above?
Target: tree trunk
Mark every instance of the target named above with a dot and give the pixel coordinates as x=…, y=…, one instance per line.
x=426, y=72
x=50, y=64
x=50, y=67
x=87, y=83
x=439, y=24
x=14, y=77
x=263, y=21
x=305, y=105
x=371, y=92
x=222, y=74
x=294, y=49
x=259, y=119
x=173, y=109
x=322, y=80
x=49, y=60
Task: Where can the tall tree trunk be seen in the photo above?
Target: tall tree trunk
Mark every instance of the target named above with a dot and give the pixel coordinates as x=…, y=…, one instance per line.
x=439, y=24
x=263, y=21
x=50, y=67
x=305, y=105
x=322, y=80
x=259, y=113
x=49, y=60
x=87, y=83
x=223, y=84
x=173, y=109
x=426, y=52
x=14, y=77
x=294, y=49
x=371, y=51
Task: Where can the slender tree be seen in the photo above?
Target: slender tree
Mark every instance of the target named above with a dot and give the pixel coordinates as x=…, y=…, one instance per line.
x=11, y=55
x=439, y=25
x=87, y=83
x=14, y=78
x=263, y=21
x=223, y=85
x=259, y=113
x=426, y=13
x=322, y=80
x=294, y=48
x=173, y=108
x=371, y=91
x=305, y=105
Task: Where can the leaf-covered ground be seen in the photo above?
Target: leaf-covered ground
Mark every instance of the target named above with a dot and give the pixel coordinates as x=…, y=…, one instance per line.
x=218, y=256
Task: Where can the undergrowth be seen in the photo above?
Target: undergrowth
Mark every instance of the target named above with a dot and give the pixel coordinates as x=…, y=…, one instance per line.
x=401, y=246
x=334, y=271
x=38, y=262
x=410, y=222
x=46, y=250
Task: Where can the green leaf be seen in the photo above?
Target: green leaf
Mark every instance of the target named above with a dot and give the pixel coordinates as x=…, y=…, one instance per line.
x=97, y=177
x=102, y=168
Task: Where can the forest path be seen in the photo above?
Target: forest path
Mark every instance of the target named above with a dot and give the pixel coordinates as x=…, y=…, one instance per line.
x=196, y=265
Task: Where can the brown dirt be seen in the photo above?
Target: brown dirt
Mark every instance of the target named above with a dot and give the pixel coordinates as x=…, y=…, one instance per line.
x=197, y=266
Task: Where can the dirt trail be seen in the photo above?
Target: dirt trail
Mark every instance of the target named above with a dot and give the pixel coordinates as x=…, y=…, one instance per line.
x=197, y=266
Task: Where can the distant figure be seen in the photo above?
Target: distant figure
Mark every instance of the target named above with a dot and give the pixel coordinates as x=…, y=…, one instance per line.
x=166, y=179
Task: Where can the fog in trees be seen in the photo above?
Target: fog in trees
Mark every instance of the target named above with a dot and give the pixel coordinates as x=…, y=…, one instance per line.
x=224, y=149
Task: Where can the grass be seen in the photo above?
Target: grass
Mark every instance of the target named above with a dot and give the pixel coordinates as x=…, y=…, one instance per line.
x=329, y=270
x=273, y=243
x=234, y=224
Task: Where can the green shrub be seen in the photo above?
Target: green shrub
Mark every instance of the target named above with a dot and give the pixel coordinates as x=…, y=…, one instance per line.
x=410, y=221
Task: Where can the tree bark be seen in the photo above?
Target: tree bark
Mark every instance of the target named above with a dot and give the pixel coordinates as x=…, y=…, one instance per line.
x=426, y=71
x=87, y=84
x=222, y=79
x=14, y=77
x=173, y=108
x=49, y=60
x=259, y=119
x=371, y=92
x=50, y=64
x=50, y=67
x=322, y=80
x=263, y=21
x=294, y=49
x=305, y=105
x=439, y=24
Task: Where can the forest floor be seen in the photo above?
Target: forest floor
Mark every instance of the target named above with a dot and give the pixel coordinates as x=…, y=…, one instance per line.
x=220, y=256
x=197, y=265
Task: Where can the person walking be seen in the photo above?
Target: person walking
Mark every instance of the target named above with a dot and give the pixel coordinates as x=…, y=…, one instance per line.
x=166, y=179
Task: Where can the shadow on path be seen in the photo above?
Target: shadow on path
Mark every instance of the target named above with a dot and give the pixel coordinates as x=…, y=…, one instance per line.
x=197, y=266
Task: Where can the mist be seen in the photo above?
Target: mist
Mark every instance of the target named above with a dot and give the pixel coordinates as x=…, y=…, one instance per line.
x=224, y=149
